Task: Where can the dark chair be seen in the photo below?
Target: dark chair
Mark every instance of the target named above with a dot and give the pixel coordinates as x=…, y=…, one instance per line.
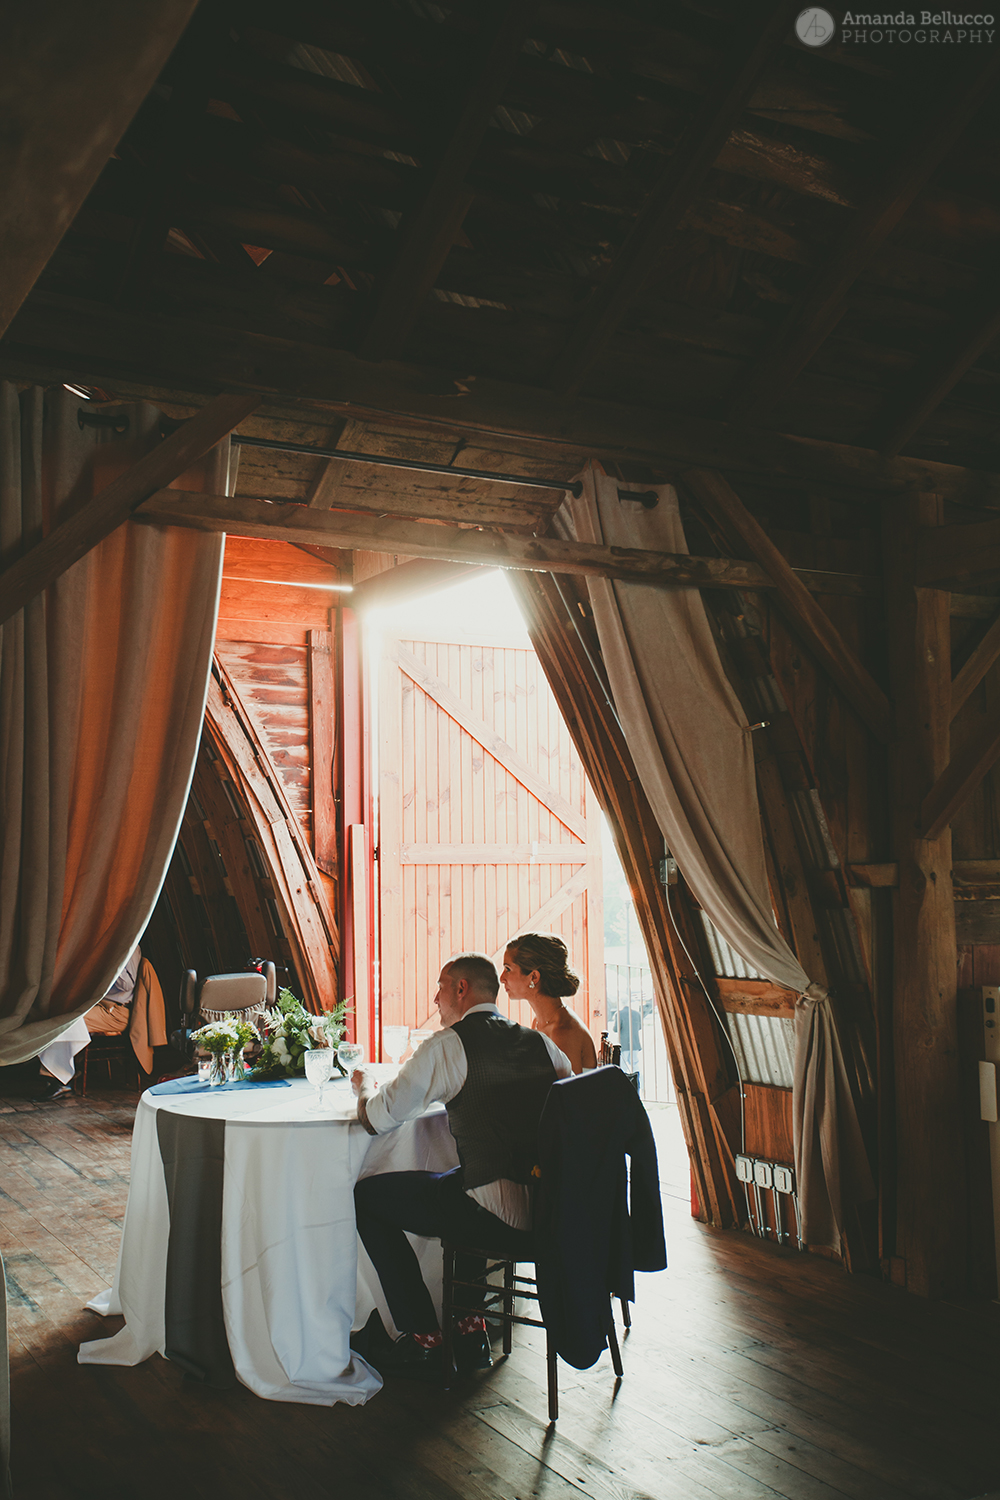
x=249, y=992
x=591, y=1233
x=498, y=1306
x=107, y=1051
x=610, y=1056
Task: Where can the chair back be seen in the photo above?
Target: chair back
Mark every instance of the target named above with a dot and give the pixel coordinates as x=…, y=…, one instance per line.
x=595, y=1222
x=222, y=994
x=610, y=1054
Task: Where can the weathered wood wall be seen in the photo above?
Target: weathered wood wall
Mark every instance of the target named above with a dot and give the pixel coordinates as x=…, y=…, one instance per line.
x=487, y=824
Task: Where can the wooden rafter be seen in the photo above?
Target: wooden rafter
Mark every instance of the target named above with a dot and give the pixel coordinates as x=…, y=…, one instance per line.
x=975, y=668
x=65, y=107
x=99, y=344
x=298, y=524
x=814, y=316
x=670, y=200
x=961, y=776
x=933, y=380
x=73, y=538
x=428, y=233
x=813, y=626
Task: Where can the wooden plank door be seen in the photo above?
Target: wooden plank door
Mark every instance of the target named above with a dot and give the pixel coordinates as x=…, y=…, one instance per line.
x=487, y=824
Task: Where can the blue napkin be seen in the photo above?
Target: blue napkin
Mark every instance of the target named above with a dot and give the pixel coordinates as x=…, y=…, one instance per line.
x=192, y=1086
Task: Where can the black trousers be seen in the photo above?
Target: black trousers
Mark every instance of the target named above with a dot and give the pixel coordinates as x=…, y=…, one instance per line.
x=435, y=1206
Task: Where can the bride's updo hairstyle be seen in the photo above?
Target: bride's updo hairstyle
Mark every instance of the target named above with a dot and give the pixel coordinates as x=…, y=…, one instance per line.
x=549, y=955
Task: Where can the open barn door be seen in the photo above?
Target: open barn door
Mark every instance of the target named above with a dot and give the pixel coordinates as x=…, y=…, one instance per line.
x=487, y=824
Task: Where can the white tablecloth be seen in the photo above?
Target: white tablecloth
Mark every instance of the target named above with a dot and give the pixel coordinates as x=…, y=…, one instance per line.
x=57, y=1057
x=293, y=1280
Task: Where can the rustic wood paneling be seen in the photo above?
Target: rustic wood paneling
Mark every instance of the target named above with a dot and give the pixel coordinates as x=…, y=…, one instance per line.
x=476, y=757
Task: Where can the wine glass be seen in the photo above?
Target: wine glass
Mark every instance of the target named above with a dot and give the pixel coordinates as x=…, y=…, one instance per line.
x=395, y=1040
x=418, y=1035
x=350, y=1055
x=319, y=1065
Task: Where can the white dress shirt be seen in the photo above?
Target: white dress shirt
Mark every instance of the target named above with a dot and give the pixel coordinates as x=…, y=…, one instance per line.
x=436, y=1073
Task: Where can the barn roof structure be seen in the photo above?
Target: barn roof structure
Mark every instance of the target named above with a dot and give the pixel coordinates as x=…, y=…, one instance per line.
x=501, y=240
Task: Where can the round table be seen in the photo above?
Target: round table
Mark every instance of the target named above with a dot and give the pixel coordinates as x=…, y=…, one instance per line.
x=245, y=1190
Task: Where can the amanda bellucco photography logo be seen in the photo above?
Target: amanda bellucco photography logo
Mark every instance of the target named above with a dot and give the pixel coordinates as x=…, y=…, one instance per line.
x=817, y=28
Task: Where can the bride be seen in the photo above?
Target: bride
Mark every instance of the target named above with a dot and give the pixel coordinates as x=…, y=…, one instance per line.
x=536, y=969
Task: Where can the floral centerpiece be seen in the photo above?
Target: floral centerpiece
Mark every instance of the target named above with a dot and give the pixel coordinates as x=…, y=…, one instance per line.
x=289, y=1031
x=225, y=1040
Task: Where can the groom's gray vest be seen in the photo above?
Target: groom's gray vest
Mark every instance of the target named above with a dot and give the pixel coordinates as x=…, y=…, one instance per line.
x=494, y=1118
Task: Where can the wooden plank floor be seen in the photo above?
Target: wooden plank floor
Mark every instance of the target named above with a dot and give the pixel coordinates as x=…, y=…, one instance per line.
x=751, y=1372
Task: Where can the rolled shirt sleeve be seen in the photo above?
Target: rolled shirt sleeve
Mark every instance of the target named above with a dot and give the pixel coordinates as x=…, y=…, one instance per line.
x=434, y=1074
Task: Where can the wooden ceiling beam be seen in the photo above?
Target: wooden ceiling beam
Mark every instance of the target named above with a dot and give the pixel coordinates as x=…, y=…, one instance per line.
x=297, y=523
x=666, y=206
x=56, y=338
x=964, y=772
x=475, y=505
x=934, y=379
x=427, y=233
x=42, y=564
x=813, y=317
x=809, y=621
x=71, y=78
x=375, y=533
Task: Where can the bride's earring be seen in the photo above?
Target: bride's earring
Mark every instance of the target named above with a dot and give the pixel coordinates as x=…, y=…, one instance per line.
x=531, y=984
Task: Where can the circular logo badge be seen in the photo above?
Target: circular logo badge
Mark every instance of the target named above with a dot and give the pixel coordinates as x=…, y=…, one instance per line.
x=815, y=27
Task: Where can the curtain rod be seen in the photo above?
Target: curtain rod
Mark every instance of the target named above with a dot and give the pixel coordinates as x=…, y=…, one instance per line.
x=646, y=498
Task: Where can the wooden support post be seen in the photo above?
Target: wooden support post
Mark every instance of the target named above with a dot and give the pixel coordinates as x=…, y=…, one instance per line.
x=321, y=723
x=355, y=904
x=931, y=1192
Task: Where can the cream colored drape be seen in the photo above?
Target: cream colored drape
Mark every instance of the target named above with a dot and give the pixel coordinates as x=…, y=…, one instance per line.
x=102, y=691
x=690, y=742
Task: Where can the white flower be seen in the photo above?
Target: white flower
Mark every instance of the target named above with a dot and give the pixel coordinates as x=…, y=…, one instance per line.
x=280, y=1047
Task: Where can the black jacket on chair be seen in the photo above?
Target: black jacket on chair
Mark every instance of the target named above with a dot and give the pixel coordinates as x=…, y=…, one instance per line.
x=588, y=1242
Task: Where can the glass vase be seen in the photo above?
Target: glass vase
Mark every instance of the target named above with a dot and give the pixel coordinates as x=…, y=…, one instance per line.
x=219, y=1072
x=236, y=1072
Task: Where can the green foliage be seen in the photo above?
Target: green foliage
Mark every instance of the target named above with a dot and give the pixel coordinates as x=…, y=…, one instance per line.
x=231, y=1035
x=290, y=1031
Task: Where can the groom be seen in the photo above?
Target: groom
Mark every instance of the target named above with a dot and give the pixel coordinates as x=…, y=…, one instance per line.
x=493, y=1077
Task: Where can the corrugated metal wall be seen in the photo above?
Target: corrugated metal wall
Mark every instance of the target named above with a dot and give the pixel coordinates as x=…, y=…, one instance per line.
x=764, y=1045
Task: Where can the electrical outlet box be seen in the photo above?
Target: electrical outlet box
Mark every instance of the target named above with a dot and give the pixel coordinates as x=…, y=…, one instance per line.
x=744, y=1168
x=988, y=1091
x=762, y=1174
x=784, y=1179
x=668, y=870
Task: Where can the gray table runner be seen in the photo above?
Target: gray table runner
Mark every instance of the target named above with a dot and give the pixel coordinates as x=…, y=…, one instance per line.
x=192, y=1151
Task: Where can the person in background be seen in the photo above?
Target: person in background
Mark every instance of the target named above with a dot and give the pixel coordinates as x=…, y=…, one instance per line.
x=109, y=1017
x=627, y=1025
x=536, y=969
x=493, y=1076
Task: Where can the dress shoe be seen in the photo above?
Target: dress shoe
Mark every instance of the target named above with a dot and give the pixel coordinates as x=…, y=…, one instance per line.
x=472, y=1352
x=50, y=1088
x=402, y=1357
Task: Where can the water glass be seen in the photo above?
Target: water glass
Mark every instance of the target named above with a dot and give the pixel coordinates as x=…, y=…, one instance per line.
x=319, y=1065
x=350, y=1055
x=395, y=1040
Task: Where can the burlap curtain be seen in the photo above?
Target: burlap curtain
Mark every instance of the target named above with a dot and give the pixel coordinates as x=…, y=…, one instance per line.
x=690, y=742
x=102, y=691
